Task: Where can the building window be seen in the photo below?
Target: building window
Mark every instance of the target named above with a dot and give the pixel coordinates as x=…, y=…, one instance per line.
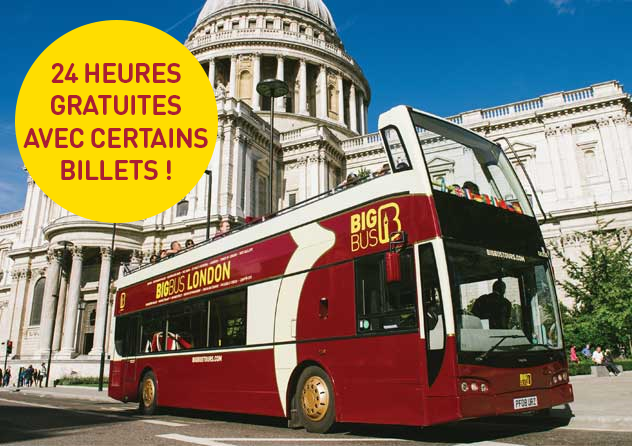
x=590, y=161
x=236, y=24
x=286, y=26
x=38, y=298
x=220, y=27
x=92, y=318
x=292, y=199
x=252, y=23
x=302, y=29
x=182, y=208
x=269, y=24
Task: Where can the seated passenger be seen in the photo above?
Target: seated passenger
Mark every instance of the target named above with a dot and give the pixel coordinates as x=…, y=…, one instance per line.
x=189, y=244
x=176, y=247
x=472, y=187
x=385, y=170
x=223, y=230
x=401, y=165
x=494, y=307
x=154, y=259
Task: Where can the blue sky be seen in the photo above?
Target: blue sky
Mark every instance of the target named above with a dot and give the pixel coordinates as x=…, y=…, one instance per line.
x=443, y=56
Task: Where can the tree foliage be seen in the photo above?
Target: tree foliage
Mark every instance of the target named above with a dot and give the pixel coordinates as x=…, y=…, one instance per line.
x=600, y=283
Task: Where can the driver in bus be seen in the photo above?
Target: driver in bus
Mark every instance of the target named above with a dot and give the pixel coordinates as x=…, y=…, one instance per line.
x=494, y=307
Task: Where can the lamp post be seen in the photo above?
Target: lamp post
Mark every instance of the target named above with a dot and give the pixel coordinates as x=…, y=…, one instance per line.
x=272, y=88
x=81, y=306
x=208, y=204
x=105, y=320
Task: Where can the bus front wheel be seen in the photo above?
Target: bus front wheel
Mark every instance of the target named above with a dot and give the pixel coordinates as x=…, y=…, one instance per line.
x=148, y=394
x=315, y=400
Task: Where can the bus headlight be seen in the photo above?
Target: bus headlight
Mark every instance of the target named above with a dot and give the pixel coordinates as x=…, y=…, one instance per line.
x=464, y=387
x=474, y=387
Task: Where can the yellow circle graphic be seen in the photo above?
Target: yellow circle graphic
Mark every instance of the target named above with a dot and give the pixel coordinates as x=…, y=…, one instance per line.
x=116, y=121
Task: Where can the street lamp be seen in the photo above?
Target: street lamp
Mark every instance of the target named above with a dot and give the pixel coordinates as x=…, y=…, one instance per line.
x=272, y=88
x=208, y=204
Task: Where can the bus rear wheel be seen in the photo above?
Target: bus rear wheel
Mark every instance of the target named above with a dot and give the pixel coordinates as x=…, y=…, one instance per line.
x=315, y=400
x=148, y=394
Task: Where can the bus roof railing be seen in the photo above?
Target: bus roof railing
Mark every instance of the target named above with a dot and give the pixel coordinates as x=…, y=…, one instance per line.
x=264, y=218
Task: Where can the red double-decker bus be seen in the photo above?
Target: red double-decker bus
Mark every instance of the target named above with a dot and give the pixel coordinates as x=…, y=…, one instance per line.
x=418, y=297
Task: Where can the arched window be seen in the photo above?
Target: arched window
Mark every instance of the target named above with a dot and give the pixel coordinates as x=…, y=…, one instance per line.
x=244, y=91
x=590, y=161
x=182, y=208
x=38, y=298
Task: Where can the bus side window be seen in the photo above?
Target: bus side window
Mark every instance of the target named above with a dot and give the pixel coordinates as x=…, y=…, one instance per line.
x=228, y=320
x=382, y=306
x=153, y=332
x=187, y=326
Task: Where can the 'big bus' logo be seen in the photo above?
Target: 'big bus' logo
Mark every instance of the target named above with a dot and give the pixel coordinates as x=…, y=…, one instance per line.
x=373, y=227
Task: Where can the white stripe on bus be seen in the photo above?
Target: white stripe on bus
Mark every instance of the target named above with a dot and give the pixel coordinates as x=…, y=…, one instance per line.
x=312, y=242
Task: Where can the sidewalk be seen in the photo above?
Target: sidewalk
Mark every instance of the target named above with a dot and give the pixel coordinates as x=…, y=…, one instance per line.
x=69, y=392
x=602, y=403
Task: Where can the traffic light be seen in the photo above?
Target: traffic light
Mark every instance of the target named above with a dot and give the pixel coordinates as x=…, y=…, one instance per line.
x=9, y=347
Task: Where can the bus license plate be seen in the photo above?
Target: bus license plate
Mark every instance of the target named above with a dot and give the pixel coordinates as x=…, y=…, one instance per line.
x=525, y=403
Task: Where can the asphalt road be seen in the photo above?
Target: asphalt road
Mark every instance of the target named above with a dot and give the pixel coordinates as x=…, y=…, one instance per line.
x=30, y=419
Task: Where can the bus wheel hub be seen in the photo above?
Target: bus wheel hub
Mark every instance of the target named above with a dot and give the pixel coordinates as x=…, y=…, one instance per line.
x=148, y=392
x=315, y=398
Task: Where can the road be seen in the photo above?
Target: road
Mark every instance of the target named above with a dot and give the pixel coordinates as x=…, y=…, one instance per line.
x=38, y=420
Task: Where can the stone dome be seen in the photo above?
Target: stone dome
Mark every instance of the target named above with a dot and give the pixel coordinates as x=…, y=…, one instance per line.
x=314, y=8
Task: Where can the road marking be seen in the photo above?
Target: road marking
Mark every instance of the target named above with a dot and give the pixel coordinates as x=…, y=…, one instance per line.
x=203, y=441
x=487, y=443
x=164, y=423
x=24, y=403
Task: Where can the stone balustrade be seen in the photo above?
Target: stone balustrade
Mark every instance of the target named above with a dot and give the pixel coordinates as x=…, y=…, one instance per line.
x=276, y=35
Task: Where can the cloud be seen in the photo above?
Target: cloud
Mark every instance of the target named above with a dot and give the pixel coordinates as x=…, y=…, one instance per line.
x=562, y=6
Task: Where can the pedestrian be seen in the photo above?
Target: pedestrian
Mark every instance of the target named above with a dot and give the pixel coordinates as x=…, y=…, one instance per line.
x=21, y=377
x=43, y=374
x=29, y=375
x=574, y=357
x=586, y=351
x=608, y=361
x=1, y=381
x=7, y=377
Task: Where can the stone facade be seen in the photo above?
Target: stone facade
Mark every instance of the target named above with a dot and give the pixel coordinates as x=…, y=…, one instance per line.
x=54, y=266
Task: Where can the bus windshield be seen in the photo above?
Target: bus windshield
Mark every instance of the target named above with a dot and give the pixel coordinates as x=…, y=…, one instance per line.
x=469, y=166
x=503, y=301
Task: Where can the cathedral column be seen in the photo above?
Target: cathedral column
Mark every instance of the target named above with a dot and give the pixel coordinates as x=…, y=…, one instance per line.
x=341, y=100
x=621, y=127
x=232, y=86
x=362, y=113
x=74, y=293
x=556, y=161
x=61, y=309
x=571, y=166
x=322, y=93
x=102, y=299
x=353, y=110
x=256, y=78
x=211, y=72
x=21, y=277
x=49, y=307
x=302, y=97
x=280, y=104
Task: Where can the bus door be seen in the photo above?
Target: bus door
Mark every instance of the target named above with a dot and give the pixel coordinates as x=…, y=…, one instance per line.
x=440, y=403
x=131, y=349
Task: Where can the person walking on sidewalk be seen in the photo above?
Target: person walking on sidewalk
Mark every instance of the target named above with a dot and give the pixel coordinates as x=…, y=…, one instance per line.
x=42, y=375
x=7, y=377
x=574, y=357
x=586, y=351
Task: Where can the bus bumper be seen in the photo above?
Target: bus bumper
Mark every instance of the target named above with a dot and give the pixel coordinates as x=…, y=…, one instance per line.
x=482, y=405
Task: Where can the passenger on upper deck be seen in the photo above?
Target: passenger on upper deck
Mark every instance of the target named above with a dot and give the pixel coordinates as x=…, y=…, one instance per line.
x=224, y=229
x=189, y=244
x=176, y=247
x=385, y=170
x=472, y=187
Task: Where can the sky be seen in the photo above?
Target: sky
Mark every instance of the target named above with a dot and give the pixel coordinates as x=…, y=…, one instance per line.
x=445, y=56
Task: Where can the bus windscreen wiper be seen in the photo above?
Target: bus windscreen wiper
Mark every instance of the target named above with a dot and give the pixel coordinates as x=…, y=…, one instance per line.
x=502, y=339
x=548, y=347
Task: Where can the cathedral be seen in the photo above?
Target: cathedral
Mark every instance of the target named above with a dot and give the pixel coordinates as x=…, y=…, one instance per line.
x=54, y=266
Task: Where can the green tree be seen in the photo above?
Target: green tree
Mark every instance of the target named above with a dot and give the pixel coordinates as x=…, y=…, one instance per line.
x=600, y=283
